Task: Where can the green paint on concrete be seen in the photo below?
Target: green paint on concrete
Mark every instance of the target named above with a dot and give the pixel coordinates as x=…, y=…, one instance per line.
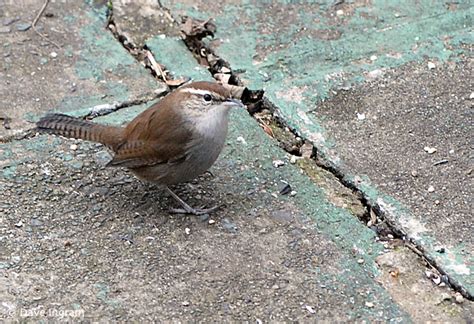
x=172, y=52
x=352, y=237
x=299, y=55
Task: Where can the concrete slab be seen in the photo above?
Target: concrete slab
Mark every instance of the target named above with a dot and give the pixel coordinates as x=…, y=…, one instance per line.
x=303, y=53
x=80, y=241
x=90, y=67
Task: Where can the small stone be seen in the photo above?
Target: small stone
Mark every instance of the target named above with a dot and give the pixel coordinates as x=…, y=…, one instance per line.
x=437, y=202
x=241, y=140
x=73, y=147
x=373, y=58
x=414, y=174
x=310, y=309
x=53, y=54
x=186, y=303
x=369, y=304
x=471, y=96
x=187, y=230
x=340, y=12
x=431, y=189
x=375, y=74
x=23, y=26
x=293, y=193
x=390, y=236
x=278, y=163
x=275, y=287
x=429, y=150
x=458, y=298
x=211, y=221
x=306, y=150
x=360, y=261
x=431, y=65
x=360, y=116
x=293, y=159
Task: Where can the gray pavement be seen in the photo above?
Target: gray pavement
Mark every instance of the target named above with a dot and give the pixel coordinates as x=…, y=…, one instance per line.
x=83, y=242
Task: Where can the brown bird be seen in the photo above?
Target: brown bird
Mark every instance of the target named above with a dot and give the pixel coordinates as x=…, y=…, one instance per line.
x=173, y=141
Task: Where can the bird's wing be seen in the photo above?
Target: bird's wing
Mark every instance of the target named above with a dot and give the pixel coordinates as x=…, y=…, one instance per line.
x=155, y=136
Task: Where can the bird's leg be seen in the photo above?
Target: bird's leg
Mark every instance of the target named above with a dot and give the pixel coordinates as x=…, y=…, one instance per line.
x=186, y=208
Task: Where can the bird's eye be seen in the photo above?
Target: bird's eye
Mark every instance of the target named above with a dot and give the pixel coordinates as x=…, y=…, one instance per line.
x=207, y=97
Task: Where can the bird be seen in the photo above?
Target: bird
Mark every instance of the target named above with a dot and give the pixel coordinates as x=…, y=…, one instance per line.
x=171, y=142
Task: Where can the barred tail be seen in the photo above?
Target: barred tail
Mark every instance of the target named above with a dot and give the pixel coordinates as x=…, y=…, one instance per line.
x=72, y=127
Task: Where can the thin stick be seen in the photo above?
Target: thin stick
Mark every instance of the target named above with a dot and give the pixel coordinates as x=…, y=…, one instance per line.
x=156, y=67
x=38, y=16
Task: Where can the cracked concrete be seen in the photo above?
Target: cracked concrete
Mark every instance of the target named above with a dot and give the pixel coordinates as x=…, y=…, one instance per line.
x=300, y=66
x=263, y=257
x=90, y=68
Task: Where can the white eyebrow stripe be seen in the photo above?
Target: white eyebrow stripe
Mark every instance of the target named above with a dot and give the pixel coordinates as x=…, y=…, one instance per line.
x=195, y=91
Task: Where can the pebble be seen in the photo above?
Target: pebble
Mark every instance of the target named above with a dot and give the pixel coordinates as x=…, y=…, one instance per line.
x=360, y=261
x=369, y=304
x=375, y=74
x=458, y=298
x=187, y=230
x=211, y=221
x=293, y=193
x=185, y=303
x=431, y=189
x=360, y=116
x=373, y=58
x=293, y=159
x=429, y=150
x=431, y=65
x=310, y=309
x=73, y=147
x=471, y=96
x=242, y=140
x=278, y=163
x=23, y=26
x=53, y=54
x=19, y=224
x=340, y=12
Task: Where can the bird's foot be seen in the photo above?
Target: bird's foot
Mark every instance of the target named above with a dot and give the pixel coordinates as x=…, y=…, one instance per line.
x=186, y=208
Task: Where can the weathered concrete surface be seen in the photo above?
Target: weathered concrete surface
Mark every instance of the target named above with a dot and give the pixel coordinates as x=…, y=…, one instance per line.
x=303, y=53
x=98, y=243
x=89, y=69
x=139, y=21
x=106, y=244
x=407, y=112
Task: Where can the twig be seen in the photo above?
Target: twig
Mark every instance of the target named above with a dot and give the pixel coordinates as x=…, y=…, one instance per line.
x=155, y=66
x=33, y=24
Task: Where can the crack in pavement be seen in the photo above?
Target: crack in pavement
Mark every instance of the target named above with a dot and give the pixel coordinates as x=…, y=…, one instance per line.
x=375, y=217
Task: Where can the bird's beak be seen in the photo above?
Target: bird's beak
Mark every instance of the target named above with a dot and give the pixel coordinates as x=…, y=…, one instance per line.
x=234, y=103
